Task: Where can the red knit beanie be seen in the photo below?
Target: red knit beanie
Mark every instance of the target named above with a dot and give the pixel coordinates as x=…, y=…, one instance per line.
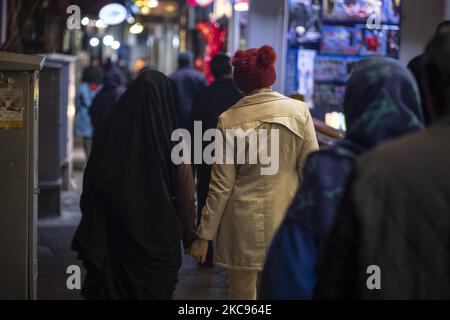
x=254, y=68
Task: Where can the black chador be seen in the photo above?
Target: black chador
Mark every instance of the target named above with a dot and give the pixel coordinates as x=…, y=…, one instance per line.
x=136, y=204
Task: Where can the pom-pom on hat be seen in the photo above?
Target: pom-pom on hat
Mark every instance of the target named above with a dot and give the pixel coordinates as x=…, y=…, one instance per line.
x=254, y=68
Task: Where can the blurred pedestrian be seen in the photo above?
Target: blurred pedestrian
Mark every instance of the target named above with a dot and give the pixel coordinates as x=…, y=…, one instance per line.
x=208, y=104
x=86, y=92
x=110, y=92
x=136, y=204
x=381, y=103
x=244, y=207
x=186, y=82
x=416, y=67
x=390, y=238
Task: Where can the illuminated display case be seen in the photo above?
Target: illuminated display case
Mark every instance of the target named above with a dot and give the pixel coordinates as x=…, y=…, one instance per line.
x=326, y=38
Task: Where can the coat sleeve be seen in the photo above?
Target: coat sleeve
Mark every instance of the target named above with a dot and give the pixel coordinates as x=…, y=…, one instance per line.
x=310, y=143
x=223, y=177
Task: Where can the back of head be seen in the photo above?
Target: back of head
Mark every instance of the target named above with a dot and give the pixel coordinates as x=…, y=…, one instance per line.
x=139, y=128
x=113, y=78
x=436, y=64
x=221, y=66
x=443, y=27
x=381, y=102
x=185, y=59
x=92, y=74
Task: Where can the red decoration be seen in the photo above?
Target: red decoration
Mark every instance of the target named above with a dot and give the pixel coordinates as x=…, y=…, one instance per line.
x=215, y=36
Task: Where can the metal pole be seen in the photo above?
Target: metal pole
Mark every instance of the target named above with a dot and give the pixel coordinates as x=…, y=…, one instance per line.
x=4, y=17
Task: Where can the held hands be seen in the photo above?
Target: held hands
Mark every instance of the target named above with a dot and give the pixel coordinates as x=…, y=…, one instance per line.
x=199, y=250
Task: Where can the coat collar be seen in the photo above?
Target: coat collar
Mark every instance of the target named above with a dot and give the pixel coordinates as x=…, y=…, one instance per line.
x=260, y=97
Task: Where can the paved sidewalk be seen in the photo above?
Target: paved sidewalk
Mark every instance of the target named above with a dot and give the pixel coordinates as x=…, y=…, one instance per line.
x=55, y=236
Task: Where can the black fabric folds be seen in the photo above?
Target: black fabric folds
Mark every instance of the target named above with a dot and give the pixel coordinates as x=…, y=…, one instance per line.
x=130, y=230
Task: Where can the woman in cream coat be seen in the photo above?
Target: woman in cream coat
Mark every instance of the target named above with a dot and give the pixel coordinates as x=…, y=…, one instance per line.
x=246, y=201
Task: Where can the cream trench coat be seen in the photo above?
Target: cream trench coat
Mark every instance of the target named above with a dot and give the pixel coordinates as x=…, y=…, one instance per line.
x=245, y=208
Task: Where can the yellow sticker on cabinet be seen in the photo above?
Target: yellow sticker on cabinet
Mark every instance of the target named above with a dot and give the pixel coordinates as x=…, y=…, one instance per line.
x=11, y=108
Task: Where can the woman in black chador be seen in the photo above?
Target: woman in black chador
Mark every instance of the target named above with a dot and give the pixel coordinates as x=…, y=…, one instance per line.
x=136, y=204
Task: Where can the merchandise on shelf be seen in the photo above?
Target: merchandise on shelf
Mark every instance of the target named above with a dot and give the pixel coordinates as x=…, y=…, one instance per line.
x=304, y=21
x=388, y=11
x=329, y=97
x=330, y=36
x=305, y=68
x=291, y=85
x=330, y=69
x=340, y=40
x=383, y=41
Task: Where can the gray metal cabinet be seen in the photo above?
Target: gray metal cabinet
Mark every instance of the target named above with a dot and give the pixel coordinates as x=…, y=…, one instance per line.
x=57, y=110
x=19, y=94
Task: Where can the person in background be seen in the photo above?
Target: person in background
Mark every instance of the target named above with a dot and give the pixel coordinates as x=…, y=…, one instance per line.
x=110, y=92
x=136, y=205
x=381, y=103
x=208, y=104
x=87, y=90
x=415, y=65
x=392, y=230
x=186, y=82
x=245, y=207
x=127, y=76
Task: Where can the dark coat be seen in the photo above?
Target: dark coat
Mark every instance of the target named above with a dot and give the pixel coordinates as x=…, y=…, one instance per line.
x=395, y=215
x=207, y=107
x=415, y=66
x=186, y=82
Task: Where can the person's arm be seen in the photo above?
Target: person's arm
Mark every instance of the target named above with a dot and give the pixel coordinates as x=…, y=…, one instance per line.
x=185, y=202
x=83, y=100
x=223, y=177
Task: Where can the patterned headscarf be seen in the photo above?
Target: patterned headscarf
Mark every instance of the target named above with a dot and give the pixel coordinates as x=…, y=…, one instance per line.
x=382, y=102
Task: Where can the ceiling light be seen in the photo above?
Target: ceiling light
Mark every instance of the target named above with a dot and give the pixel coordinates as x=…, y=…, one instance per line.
x=115, y=45
x=100, y=24
x=136, y=28
x=152, y=3
x=94, y=42
x=241, y=5
x=113, y=13
x=108, y=40
x=85, y=21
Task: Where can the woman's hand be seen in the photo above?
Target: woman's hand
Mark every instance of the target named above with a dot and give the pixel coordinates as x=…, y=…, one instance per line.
x=199, y=250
